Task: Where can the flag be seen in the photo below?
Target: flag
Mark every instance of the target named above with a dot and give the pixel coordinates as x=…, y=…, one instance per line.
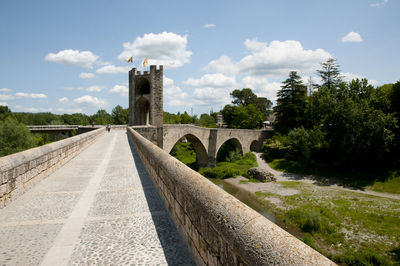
x=129, y=59
x=145, y=62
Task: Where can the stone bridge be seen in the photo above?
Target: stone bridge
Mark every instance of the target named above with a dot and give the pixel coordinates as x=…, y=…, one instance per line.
x=116, y=198
x=64, y=131
x=208, y=141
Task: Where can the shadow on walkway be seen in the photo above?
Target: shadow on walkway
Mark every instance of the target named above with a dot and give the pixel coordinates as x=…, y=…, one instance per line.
x=175, y=249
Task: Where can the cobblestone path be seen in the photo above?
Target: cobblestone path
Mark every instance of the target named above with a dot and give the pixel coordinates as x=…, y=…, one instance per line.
x=100, y=208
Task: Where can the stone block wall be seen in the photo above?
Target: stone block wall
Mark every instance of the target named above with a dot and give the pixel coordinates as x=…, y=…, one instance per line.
x=20, y=171
x=219, y=229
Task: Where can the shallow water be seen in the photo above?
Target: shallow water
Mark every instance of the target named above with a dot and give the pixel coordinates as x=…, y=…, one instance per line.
x=243, y=196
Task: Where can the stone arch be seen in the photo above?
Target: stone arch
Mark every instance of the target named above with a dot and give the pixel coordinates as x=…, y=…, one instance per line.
x=201, y=152
x=142, y=87
x=236, y=143
x=255, y=146
x=142, y=111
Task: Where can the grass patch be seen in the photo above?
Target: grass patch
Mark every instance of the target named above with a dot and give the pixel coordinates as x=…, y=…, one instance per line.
x=291, y=184
x=390, y=186
x=230, y=169
x=350, y=228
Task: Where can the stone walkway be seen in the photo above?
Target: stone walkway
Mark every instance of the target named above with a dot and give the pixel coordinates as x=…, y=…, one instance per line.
x=101, y=208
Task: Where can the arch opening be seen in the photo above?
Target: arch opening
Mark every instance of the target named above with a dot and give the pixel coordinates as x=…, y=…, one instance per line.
x=230, y=151
x=255, y=146
x=191, y=151
x=142, y=87
x=142, y=111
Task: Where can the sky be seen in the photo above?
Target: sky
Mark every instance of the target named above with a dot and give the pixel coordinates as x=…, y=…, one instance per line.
x=64, y=56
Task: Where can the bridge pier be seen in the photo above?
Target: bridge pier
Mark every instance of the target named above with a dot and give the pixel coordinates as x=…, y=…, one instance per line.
x=212, y=148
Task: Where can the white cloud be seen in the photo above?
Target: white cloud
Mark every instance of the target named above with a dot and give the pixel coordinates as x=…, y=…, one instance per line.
x=31, y=95
x=279, y=58
x=32, y=109
x=210, y=25
x=167, y=48
x=212, y=80
x=5, y=90
x=261, y=86
x=88, y=100
x=173, y=95
x=120, y=89
x=350, y=76
x=222, y=65
x=378, y=4
x=87, y=75
x=6, y=97
x=3, y=104
x=71, y=110
x=73, y=58
x=352, y=37
x=63, y=100
x=262, y=70
x=212, y=89
x=94, y=88
x=111, y=69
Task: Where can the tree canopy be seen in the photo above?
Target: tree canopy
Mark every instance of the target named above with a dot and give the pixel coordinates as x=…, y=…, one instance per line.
x=248, y=110
x=291, y=103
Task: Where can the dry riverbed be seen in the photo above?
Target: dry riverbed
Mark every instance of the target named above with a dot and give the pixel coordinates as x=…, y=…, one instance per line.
x=346, y=225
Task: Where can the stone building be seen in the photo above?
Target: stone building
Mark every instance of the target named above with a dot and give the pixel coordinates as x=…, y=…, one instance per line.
x=146, y=97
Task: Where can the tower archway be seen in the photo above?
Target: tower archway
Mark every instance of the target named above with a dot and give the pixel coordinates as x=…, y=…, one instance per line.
x=143, y=86
x=142, y=110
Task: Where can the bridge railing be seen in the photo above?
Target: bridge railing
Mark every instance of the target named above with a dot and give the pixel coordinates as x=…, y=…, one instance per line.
x=52, y=126
x=20, y=171
x=218, y=228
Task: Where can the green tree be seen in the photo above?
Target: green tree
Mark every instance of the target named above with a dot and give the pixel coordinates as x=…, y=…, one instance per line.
x=185, y=118
x=120, y=116
x=76, y=119
x=207, y=120
x=14, y=137
x=101, y=117
x=171, y=118
x=249, y=117
x=330, y=74
x=4, y=112
x=291, y=104
x=243, y=97
x=246, y=97
x=248, y=111
x=356, y=131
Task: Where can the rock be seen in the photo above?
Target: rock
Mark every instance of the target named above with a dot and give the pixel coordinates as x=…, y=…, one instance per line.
x=261, y=174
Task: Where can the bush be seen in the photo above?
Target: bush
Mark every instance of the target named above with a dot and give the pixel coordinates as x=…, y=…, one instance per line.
x=277, y=147
x=14, y=137
x=308, y=220
x=230, y=169
x=311, y=222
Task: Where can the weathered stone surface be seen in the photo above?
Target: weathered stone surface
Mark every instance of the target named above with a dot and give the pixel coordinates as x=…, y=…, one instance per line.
x=21, y=170
x=261, y=174
x=219, y=228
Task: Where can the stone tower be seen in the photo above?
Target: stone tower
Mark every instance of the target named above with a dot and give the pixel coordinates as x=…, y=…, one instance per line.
x=146, y=97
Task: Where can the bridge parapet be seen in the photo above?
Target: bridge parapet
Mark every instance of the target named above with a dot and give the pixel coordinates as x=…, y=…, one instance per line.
x=207, y=141
x=219, y=229
x=20, y=171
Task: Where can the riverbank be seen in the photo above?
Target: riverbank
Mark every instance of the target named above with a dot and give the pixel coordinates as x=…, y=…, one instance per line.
x=348, y=226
